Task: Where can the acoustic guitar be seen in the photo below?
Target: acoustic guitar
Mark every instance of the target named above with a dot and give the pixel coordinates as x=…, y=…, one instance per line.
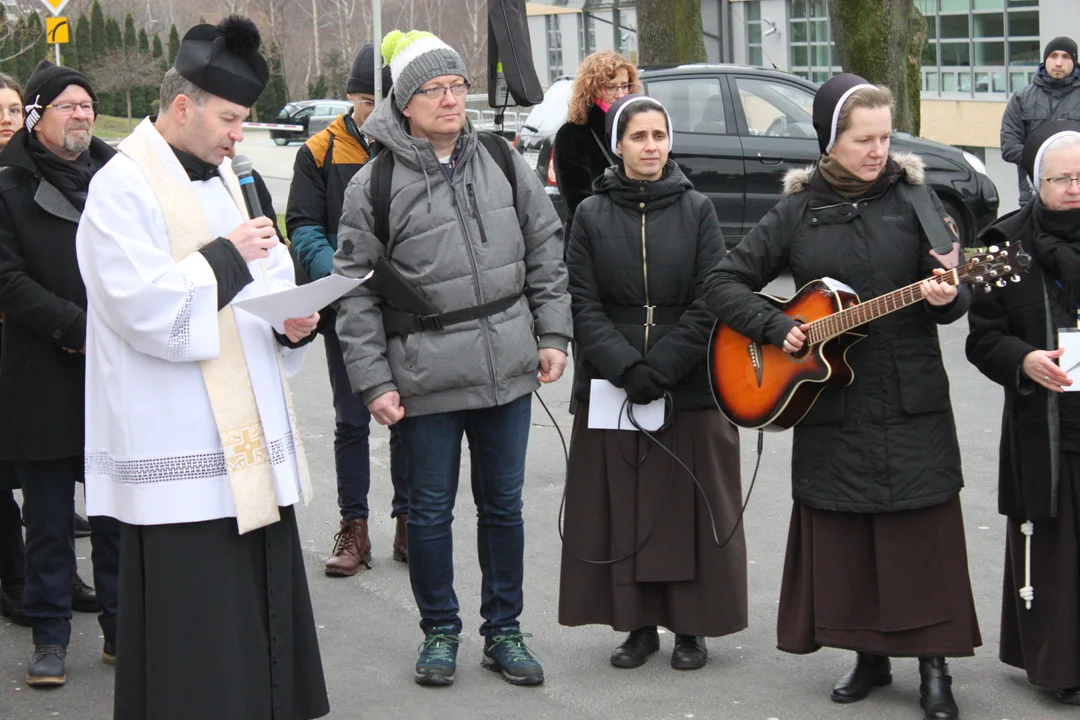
x=761, y=386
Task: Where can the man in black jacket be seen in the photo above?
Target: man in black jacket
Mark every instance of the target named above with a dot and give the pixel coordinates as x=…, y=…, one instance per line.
x=1054, y=94
x=45, y=173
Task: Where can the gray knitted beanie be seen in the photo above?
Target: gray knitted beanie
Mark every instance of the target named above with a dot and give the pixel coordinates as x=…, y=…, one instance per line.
x=416, y=57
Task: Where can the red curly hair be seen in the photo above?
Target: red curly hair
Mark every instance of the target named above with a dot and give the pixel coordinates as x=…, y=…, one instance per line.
x=595, y=72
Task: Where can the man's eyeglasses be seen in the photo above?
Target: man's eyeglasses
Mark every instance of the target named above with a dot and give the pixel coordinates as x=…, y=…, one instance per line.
x=69, y=108
x=1062, y=182
x=366, y=103
x=438, y=91
x=612, y=89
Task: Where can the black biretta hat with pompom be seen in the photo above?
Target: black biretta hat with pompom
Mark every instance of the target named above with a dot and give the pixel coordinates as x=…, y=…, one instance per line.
x=224, y=60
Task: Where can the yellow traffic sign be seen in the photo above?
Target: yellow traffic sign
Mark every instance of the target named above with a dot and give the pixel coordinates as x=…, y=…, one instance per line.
x=57, y=30
x=55, y=6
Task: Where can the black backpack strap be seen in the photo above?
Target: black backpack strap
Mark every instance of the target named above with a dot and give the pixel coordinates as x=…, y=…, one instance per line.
x=382, y=177
x=503, y=156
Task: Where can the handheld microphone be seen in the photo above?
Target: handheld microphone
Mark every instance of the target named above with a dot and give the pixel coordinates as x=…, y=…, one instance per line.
x=241, y=165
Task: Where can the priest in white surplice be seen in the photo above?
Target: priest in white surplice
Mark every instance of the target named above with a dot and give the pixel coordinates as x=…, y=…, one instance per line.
x=191, y=439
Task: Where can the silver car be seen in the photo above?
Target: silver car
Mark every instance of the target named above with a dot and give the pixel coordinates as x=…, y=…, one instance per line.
x=311, y=115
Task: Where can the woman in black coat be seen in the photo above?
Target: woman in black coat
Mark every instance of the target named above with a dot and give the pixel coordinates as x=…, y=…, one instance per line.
x=876, y=559
x=1014, y=341
x=639, y=548
x=581, y=145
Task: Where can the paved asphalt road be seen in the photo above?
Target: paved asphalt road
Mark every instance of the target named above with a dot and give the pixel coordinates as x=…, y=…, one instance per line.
x=368, y=624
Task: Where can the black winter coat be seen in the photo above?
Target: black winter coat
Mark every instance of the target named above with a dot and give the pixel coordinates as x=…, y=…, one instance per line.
x=43, y=300
x=1006, y=325
x=887, y=442
x=635, y=244
x=580, y=160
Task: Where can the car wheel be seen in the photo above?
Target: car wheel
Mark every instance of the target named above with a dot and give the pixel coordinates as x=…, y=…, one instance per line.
x=956, y=212
x=281, y=141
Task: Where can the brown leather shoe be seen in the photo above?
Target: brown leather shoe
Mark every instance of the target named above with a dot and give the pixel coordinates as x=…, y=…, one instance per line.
x=352, y=548
x=401, y=549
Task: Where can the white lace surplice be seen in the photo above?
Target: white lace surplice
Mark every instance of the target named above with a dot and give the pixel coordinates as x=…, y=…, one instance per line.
x=153, y=455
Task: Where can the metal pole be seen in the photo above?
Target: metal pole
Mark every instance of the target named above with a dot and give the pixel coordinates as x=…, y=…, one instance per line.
x=376, y=24
x=57, y=46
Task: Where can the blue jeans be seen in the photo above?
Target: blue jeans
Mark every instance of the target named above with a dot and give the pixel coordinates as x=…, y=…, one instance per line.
x=498, y=438
x=49, y=512
x=352, y=454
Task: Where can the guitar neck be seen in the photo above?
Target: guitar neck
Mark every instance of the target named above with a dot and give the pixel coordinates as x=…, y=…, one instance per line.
x=846, y=320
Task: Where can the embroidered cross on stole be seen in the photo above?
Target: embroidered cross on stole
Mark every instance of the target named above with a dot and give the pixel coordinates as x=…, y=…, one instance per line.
x=228, y=383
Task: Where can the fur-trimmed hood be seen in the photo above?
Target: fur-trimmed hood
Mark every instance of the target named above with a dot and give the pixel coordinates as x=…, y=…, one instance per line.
x=912, y=165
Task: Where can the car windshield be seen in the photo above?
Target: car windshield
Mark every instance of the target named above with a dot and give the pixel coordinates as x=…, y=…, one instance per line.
x=286, y=111
x=547, y=117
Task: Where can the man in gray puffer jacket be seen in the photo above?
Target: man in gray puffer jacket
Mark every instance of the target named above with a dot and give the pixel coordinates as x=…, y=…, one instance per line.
x=457, y=237
x=1054, y=94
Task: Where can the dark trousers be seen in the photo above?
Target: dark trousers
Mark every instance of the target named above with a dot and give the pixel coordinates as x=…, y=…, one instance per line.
x=12, y=549
x=498, y=438
x=49, y=511
x=352, y=455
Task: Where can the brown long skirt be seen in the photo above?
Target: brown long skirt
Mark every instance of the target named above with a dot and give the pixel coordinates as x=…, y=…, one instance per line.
x=1045, y=640
x=674, y=575
x=893, y=584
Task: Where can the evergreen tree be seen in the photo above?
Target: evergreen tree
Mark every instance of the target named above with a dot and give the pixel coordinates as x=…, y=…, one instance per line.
x=83, y=49
x=276, y=93
x=35, y=34
x=98, y=34
x=144, y=41
x=339, y=73
x=114, y=39
x=174, y=44
x=157, y=50
x=319, y=88
x=131, y=39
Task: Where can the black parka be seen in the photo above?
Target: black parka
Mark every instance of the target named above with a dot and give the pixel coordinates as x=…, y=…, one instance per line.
x=43, y=300
x=634, y=244
x=1006, y=325
x=887, y=442
x=580, y=159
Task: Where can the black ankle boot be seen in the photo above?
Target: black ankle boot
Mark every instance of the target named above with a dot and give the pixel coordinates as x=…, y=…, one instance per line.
x=935, y=691
x=869, y=671
x=637, y=648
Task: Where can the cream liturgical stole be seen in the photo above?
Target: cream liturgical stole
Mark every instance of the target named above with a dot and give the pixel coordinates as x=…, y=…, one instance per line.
x=228, y=383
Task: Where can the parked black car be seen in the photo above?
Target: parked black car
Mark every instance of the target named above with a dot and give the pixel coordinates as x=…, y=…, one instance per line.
x=311, y=115
x=739, y=129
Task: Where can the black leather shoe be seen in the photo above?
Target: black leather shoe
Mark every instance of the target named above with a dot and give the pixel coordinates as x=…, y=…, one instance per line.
x=637, y=648
x=108, y=652
x=82, y=526
x=690, y=652
x=1068, y=696
x=869, y=671
x=11, y=606
x=47, y=666
x=935, y=690
x=83, y=597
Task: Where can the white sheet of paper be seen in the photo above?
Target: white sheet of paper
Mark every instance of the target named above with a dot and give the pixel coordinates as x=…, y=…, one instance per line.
x=1069, y=338
x=606, y=409
x=300, y=301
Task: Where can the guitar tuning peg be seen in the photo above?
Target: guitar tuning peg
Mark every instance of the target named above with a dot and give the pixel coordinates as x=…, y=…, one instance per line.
x=1007, y=268
x=986, y=288
x=993, y=248
x=993, y=273
x=980, y=279
x=1015, y=278
x=1001, y=283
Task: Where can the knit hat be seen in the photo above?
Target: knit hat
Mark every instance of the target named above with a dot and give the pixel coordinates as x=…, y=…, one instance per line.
x=1039, y=140
x=45, y=84
x=362, y=75
x=224, y=60
x=828, y=103
x=416, y=57
x=611, y=121
x=1061, y=43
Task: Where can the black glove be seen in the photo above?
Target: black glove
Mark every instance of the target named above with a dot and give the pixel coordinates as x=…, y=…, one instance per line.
x=643, y=384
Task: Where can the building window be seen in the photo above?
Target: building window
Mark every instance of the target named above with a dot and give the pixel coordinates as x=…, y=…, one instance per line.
x=813, y=55
x=979, y=47
x=753, y=32
x=586, y=34
x=554, y=46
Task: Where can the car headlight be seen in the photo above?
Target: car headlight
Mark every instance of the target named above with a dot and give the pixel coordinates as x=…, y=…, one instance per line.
x=976, y=164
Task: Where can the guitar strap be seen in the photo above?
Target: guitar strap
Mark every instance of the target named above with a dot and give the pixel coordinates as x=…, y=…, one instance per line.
x=937, y=232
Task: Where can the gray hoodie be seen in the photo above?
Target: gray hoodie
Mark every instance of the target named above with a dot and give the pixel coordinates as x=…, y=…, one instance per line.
x=462, y=243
